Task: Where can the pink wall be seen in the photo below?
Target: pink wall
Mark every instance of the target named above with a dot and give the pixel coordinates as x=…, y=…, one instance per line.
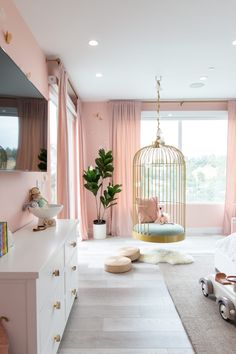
x=96, y=136
x=204, y=215
x=14, y=188
x=24, y=50
x=207, y=216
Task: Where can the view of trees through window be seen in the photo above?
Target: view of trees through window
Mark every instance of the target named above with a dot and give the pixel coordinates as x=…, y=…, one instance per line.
x=203, y=143
x=8, y=142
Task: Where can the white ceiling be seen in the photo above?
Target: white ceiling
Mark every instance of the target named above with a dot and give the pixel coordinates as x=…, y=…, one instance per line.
x=139, y=39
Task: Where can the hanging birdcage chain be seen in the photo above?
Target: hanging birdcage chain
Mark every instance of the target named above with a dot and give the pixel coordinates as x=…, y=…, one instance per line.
x=158, y=133
x=158, y=106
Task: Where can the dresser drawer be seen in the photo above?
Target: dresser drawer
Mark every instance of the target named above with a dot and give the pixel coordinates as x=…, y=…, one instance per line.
x=71, y=282
x=52, y=311
x=54, y=336
x=51, y=276
x=70, y=246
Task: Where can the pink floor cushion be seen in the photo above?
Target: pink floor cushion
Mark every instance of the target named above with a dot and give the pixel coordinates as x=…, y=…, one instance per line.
x=117, y=264
x=133, y=253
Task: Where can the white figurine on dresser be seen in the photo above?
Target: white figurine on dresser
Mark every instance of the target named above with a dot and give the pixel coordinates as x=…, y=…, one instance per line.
x=38, y=285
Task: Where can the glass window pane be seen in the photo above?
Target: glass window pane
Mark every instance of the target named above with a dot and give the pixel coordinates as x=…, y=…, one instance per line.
x=170, y=132
x=8, y=142
x=204, y=146
x=149, y=129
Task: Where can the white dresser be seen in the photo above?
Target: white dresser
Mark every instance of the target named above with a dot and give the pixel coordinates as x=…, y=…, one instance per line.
x=38, y=285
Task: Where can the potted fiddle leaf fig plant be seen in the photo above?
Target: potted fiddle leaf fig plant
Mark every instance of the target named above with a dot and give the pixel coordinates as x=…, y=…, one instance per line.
x=104, y=194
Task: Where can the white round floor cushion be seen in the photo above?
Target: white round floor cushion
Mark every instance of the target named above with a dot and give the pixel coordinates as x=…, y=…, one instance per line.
x=155, y=256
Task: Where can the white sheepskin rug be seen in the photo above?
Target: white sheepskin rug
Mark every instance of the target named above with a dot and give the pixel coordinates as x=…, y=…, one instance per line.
x=155, y=256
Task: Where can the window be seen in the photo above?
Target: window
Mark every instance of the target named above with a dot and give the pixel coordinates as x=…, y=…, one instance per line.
x=71, y=116
x=202, y=137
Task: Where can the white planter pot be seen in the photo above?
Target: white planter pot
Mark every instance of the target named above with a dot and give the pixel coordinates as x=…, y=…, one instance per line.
x=99, y=231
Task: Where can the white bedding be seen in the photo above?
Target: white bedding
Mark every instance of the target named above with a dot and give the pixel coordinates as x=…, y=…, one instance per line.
x=225, y=255
x=228, y=246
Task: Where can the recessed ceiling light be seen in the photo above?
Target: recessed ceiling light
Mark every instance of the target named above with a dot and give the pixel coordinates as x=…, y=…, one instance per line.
x=211, y=68
x=234, y=42
x=203, y=78
x=93, y=43
x=99, y=75
x=197, y=84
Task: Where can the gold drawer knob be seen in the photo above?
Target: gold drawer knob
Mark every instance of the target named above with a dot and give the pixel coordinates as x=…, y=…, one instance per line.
x=73, y=292
x=56, y=273
x=73, y=243
x=74, y=268
x=57, y=338
x=57, y=305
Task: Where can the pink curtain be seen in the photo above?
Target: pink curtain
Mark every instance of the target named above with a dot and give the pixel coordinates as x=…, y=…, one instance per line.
x=125, y=139
x=62, y=146
x=32, y=132
x=230, y=198
x=80, y=201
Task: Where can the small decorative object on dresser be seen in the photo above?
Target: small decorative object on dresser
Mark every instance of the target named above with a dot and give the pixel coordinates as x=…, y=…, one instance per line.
x=40, y=208
x=105, y=196
x=46, y=215
x=38, y=286
x=35, y=199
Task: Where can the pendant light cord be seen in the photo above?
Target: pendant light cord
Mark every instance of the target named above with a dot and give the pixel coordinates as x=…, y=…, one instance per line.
x=158, y=134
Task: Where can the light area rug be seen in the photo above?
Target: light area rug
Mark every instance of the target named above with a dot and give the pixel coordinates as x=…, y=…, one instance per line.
x=160, y=255
x=208, y=332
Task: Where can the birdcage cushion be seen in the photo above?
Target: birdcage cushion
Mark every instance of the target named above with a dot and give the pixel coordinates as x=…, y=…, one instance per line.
x=158, y=233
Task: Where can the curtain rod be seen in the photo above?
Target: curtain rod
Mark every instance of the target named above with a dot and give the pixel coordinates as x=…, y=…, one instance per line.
x=182, y=102
x=58, y=60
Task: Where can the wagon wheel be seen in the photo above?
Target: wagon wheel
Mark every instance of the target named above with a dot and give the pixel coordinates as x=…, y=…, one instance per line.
x=204, y=288
x=223, y=311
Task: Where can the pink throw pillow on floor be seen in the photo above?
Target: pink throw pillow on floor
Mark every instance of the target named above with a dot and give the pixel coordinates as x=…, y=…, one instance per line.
x=147, y=209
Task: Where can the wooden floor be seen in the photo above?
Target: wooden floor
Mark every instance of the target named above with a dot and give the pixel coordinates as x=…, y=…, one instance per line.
x=125, y=313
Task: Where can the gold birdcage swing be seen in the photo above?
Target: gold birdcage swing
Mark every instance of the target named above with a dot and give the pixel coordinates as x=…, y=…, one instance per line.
x=159, y=189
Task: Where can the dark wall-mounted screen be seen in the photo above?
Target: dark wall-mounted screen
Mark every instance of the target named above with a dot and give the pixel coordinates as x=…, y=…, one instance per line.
x=23, y=120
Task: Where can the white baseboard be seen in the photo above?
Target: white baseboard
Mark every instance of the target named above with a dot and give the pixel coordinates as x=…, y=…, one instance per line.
x=199, y=231
x=204, y=231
